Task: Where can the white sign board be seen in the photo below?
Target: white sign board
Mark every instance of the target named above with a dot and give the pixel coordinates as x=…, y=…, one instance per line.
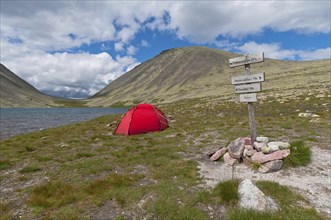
x=247, y=88
x=247, y=59
x=250, y=97
x=259, y=77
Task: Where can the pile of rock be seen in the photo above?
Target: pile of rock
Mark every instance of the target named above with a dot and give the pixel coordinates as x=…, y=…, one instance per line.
x=267, y=154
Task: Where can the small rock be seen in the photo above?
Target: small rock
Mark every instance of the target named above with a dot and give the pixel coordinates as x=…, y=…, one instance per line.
x=250, y=153
x=236, y=148
x=260, y=157
x=278, y=145
x=308, y=115
x=315, y=120
x=245, y=152
x=228, y=159
x=252, y=197
x=271, y=166
x=221, y=115
x=249, y=147
x=320, y=96
x=262, y=139
x=266, y=150
x=170, y=117
x=112, y=123
x=273, y=146
x=218, y=154
x=259, y=145
x=247, y=141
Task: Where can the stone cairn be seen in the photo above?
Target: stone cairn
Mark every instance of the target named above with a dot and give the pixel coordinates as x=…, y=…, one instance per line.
x=268, y=155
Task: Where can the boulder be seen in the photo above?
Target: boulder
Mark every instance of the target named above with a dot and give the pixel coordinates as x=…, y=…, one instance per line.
x=218, y=154
x=236, y=148
x=260, y=157
x=274, y=146
x=262, y=139
x=228, y=159
x=252, y=197
x=271, y=166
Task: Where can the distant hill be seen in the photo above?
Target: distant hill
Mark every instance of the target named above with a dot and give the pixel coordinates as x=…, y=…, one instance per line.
x=180, y=73
x=193, y=72
x=16, y=92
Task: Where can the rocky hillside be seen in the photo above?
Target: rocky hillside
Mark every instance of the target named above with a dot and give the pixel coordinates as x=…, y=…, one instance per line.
x=16, y=92
x=181, y=73
x=193, y=72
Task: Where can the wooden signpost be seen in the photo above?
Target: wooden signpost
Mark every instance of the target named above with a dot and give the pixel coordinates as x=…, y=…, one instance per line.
x=246, y=88
x=247, y=85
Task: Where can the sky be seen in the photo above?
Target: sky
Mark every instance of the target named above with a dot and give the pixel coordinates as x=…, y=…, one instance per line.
x=75, y=48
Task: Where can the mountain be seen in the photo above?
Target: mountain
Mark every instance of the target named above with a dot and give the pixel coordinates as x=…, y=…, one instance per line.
x=176, y=74
x=193, y=72
x=16, y=92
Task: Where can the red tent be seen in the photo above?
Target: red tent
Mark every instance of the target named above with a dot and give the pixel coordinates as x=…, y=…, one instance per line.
x=141, y=119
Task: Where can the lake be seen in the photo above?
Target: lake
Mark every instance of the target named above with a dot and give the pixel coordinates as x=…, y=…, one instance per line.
x=14, y=121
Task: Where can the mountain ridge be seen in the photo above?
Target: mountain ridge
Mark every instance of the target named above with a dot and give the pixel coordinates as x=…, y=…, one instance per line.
x=15, y=92
x=192, y=72
x=176, y=74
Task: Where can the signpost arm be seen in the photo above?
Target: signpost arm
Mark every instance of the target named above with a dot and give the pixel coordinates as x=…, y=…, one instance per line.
x=251, y=111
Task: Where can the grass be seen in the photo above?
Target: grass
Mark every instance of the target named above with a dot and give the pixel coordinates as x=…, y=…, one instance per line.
x=4, y=164
x=70, y=103
x=30, y=169
x=300, y=155
x=225, y=193
x=84, y=154
x=5, y=211
x=85, y=167
x=90, y=166
x=287, y=200
x=54, y=194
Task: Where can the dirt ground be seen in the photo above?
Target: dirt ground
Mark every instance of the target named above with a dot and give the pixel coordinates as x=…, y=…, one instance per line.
x=313, y=181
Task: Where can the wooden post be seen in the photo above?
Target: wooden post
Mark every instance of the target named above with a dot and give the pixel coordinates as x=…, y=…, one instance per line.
x=251, y=111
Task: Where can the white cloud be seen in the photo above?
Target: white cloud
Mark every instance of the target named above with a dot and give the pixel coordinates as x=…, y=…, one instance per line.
x=79, y=74
x=51, y=25
x=131, y=50
x=145, y=43
x=204, y=21
x=275, y=51
x=324, y=53
x=272, y=50
x=119, y=46
x=38, y=27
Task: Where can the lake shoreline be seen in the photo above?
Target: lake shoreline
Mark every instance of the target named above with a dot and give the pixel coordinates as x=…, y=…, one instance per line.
x=16, y=121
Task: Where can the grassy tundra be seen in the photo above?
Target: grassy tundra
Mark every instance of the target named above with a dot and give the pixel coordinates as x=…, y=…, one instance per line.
x=83, y=171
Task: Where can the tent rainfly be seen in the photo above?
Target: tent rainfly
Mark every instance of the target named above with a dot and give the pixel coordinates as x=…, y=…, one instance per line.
x=140, y=119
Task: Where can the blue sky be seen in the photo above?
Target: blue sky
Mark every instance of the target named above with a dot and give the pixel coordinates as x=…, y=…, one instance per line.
x=75, y=48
